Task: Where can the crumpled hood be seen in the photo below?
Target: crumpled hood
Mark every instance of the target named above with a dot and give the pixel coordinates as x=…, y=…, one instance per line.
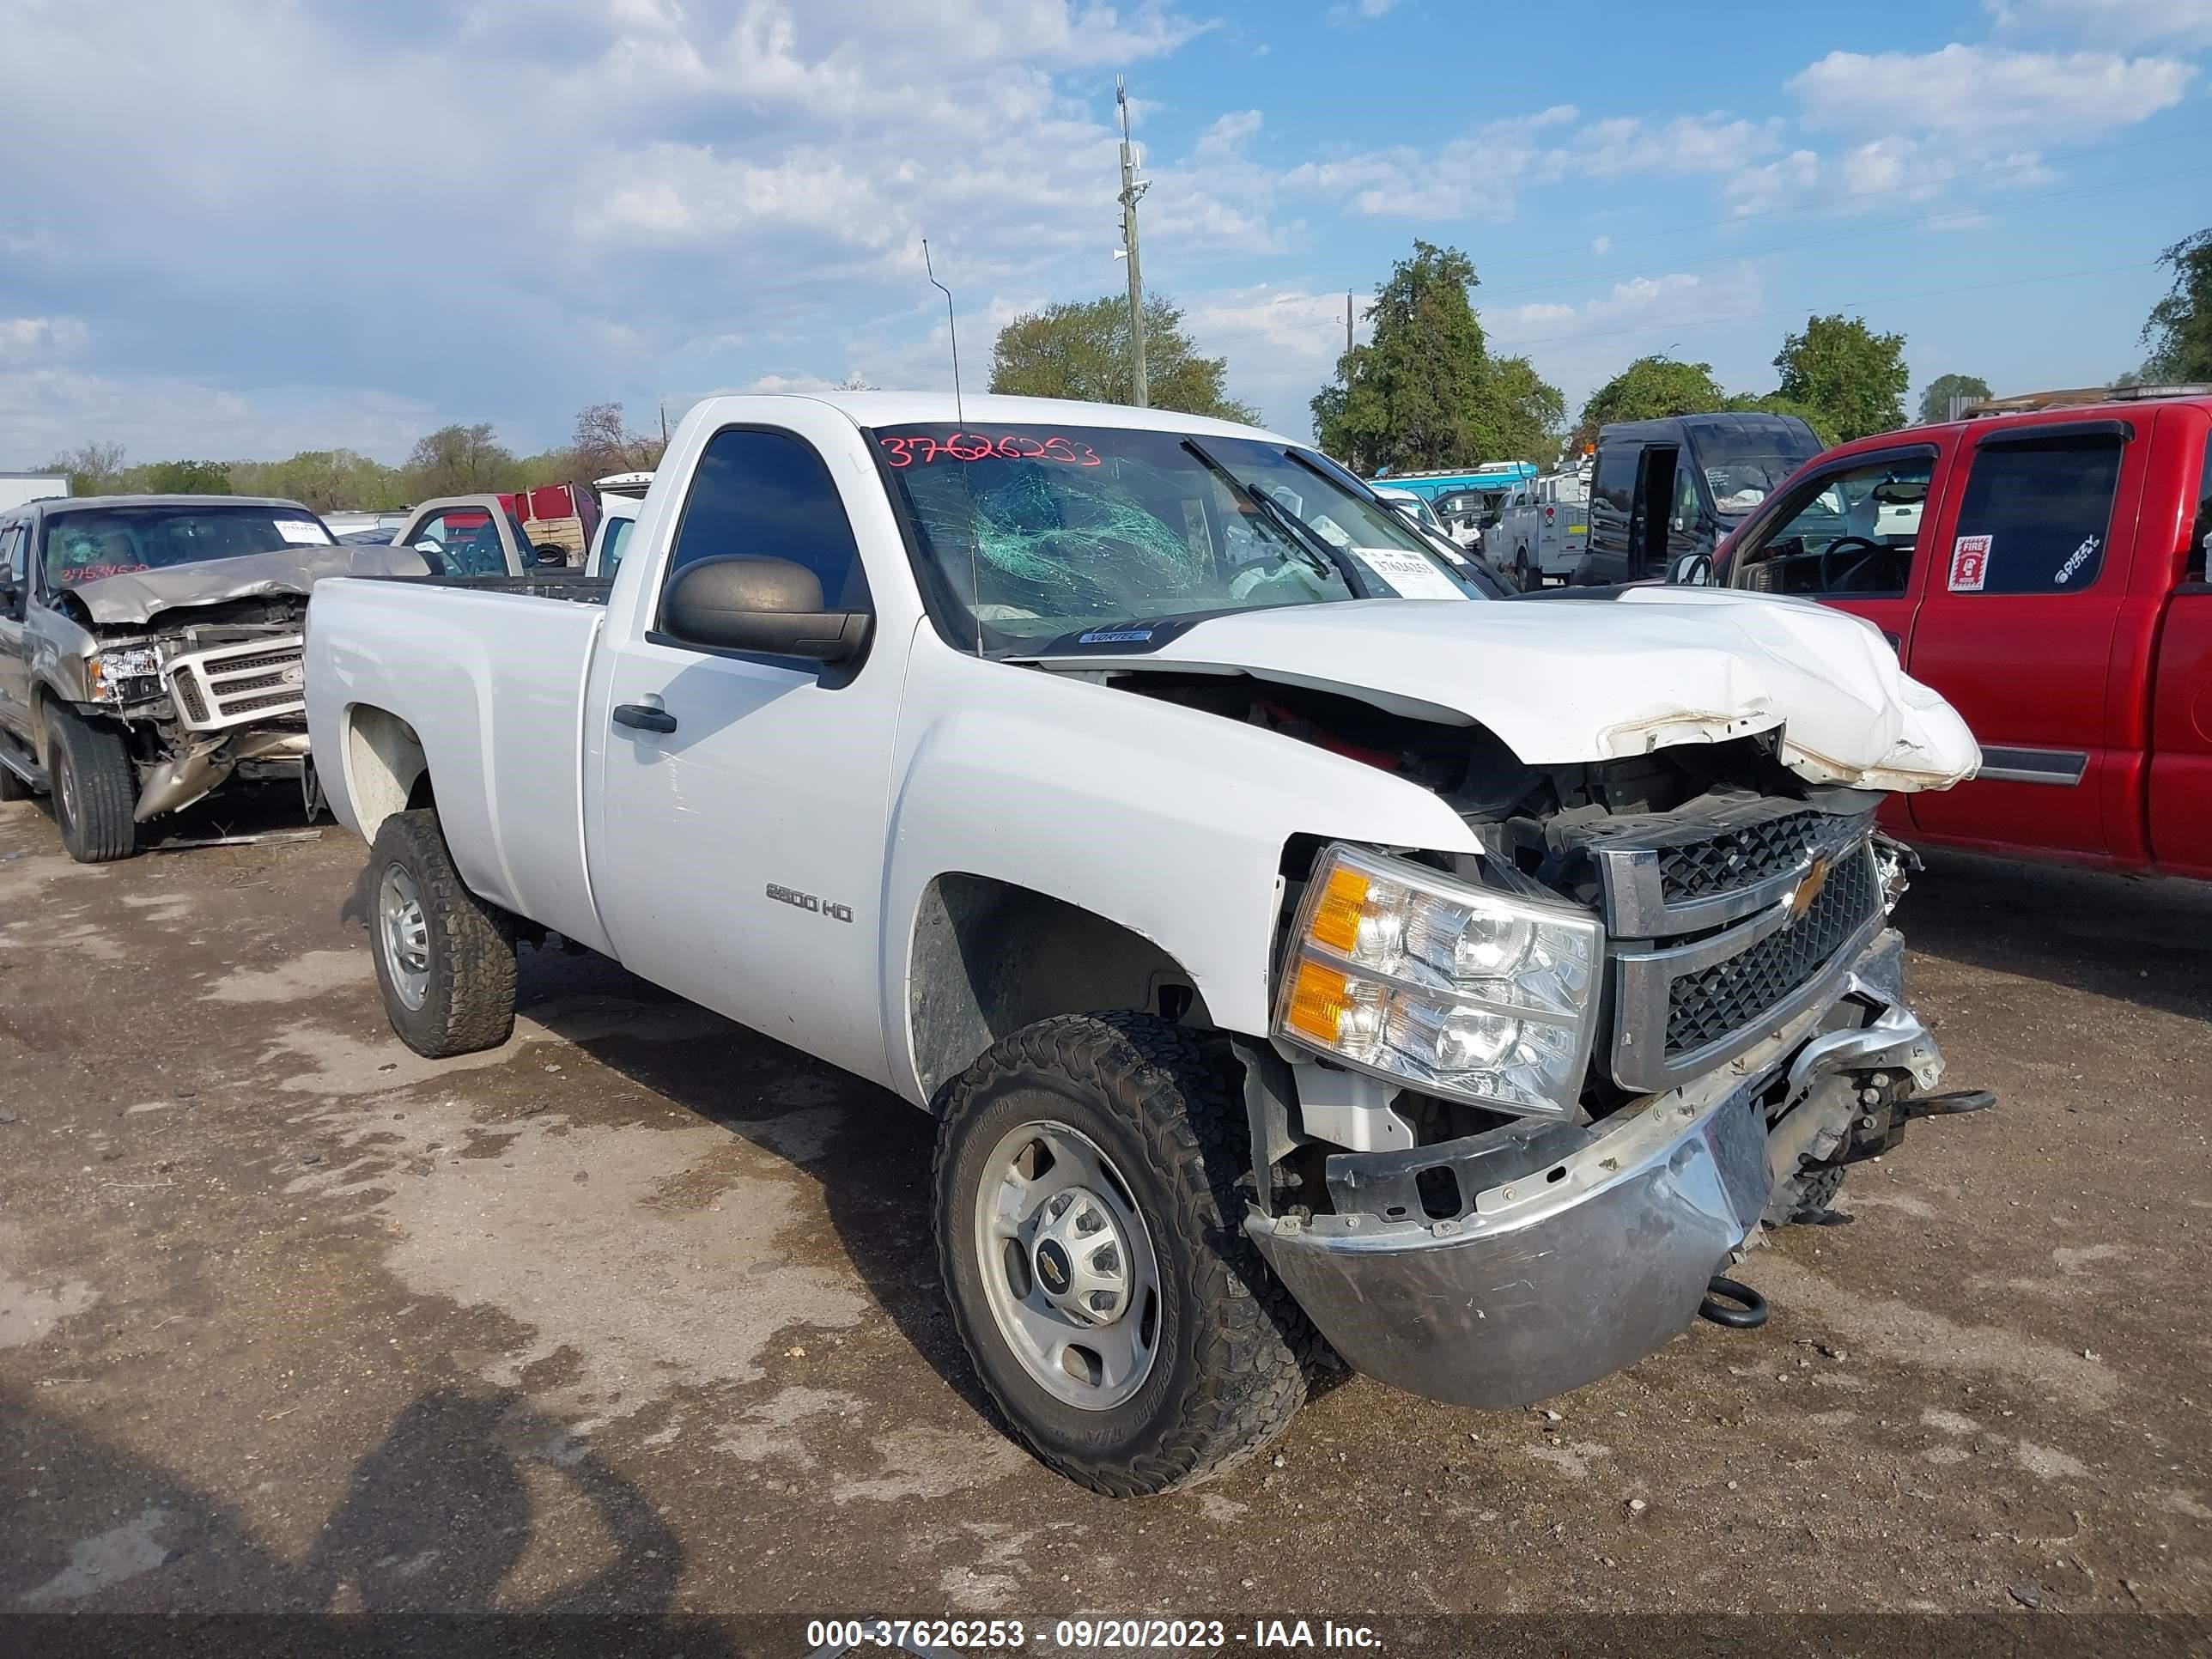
x=142, y=595
x=1563, y=681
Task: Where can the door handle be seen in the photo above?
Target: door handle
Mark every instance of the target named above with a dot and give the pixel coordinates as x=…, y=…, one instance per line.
x=636, y=714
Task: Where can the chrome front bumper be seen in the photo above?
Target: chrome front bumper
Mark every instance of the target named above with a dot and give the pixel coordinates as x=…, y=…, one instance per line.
x=1579, y=1249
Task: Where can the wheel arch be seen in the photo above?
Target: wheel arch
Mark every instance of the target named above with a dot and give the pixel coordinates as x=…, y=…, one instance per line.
x=987, y=957
x=385, y=769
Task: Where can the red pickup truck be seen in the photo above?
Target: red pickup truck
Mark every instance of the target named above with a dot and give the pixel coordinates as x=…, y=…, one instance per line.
x=2046, y=572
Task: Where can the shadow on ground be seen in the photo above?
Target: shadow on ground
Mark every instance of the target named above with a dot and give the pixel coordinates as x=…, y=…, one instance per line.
x=2145, y=941
x=435, y=1518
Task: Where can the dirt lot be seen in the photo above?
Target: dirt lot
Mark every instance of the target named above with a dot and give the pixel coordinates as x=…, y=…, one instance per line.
x=638, y=1313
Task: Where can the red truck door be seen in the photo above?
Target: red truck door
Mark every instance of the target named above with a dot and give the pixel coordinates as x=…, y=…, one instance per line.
x=2021, y=628
x=2180, y=793
x=1855, y=532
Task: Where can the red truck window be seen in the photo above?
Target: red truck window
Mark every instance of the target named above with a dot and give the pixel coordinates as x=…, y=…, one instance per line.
x=2036, y=517
x=2200, y=534
x=1849, y=534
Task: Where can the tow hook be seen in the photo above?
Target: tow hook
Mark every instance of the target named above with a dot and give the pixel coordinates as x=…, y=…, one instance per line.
x=1957, y=1103
x=1749, y=1313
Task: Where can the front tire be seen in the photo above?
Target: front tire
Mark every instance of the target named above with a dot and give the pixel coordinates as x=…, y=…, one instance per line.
x=445, y=959
x=1090, y=1236
x=96, y=788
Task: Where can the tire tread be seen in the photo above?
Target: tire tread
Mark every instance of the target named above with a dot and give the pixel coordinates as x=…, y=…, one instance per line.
x=1256, y=1346
x=471, y=1006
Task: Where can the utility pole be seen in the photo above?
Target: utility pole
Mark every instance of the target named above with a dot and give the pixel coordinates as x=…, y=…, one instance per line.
x=1131, y=190
x=1348, y=323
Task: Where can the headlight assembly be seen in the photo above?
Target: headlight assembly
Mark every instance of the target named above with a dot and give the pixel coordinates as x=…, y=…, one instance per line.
x=1402, y=971
x=108, y=674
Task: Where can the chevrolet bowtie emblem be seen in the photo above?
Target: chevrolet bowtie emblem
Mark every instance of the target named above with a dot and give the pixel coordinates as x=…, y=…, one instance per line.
x=1810, y=889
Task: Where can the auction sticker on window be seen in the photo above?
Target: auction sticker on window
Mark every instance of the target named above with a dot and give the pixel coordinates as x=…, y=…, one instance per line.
x=1409, y=574
x=303, y=532
x=1969, y=564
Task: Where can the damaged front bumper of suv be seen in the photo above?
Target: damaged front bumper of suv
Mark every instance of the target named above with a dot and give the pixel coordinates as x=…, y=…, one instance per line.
x=1567, y=1251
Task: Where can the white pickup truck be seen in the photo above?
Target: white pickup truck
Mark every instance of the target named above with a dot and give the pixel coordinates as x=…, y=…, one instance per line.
x=1292, y=944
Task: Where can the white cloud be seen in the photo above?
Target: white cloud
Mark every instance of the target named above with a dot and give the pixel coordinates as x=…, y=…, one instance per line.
x=1485, y=171
x=1601, y=245
x=1359, y=11
x=667, y=194
x=1987, y=96
x=24, y=337
x=2120, y=24
x=1772, y=184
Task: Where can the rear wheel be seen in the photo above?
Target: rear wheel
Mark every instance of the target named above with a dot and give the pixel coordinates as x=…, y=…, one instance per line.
x=95, y=790
x=11, y=786
x=1523, y=577
x=1090, y=1236
x=445, y=959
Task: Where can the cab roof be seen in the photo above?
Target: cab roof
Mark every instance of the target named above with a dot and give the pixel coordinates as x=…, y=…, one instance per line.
x=875, y=409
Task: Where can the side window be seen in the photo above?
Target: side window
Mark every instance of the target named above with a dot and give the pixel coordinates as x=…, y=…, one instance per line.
x=611, y=550
x=2200, y=531
x=17, y=569
x=1686, y=512
x=766, y=494
x=465, y=539
x=2035, y=517
x=1849, y=532
x=1612, y=495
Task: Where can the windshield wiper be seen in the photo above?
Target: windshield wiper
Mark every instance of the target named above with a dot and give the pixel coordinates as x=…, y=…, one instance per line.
x=1312, y=547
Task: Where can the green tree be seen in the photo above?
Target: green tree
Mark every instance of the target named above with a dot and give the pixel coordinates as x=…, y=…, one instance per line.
x=1081, y=350
x=1647, y=390
x=93, y=468
x=1522, y=411
x=186, y=478
x=1936, y=401
x=325, y=479
x=1842, y=367
x=2179, y=328
x=459, y=460
x=1423, y=391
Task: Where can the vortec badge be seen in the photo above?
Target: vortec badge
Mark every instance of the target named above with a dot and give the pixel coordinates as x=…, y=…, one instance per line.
x=1810, y=889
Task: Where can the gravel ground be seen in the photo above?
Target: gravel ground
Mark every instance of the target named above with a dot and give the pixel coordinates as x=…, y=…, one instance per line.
x=639, y=1314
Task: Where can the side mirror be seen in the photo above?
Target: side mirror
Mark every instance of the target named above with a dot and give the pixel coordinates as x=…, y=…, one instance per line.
x=1692, y=570
x=771, y=606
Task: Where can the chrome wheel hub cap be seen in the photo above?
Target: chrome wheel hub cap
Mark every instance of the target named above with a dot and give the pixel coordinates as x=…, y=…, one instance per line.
x=405, y=932
x=1068, y=1265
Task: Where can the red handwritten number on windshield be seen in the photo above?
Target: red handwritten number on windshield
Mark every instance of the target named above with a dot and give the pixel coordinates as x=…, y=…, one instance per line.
x=976, y=447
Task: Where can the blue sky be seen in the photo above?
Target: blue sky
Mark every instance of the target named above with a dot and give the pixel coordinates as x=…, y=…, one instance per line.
x=247, y=227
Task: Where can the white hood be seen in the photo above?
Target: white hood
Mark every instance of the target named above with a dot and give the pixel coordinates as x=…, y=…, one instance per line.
x=1563, y=681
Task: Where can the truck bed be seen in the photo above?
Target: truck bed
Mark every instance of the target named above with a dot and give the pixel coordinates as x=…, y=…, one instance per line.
x=494, y=690
x=572, y=585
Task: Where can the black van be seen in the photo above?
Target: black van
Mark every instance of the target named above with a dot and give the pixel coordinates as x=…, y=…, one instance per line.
x=1664, y=489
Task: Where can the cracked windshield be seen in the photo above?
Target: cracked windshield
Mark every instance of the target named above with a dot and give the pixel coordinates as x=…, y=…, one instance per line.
x=1036, y=532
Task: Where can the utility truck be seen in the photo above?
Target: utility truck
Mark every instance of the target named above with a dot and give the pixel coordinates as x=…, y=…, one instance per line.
x=1297, y=948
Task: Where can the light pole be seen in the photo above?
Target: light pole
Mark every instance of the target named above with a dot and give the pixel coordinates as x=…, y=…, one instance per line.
x=1131, y=188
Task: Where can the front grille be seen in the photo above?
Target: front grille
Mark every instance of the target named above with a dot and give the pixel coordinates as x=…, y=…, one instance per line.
x=232, y=683
x=1739, y=857
x=1712, y=1003
x=188, y=696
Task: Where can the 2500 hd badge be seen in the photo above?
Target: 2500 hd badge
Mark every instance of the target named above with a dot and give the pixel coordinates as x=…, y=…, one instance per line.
x=808, y=902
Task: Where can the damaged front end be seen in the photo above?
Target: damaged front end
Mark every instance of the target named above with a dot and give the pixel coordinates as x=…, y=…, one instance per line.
x=1523, y=1105
x=203, y=695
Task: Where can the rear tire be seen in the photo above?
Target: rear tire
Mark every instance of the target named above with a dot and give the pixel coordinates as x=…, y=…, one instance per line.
x=12, y=788
x=1149, y=1142
x=96, y=788
x=445, y=959
x=1523, y=578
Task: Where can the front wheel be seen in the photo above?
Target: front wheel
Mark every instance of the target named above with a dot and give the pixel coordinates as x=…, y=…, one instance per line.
x=1090, y=1236
x=96, y=788
x=445, y=959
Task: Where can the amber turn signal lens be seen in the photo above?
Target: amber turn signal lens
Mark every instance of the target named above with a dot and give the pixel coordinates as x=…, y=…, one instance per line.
x=1336, y=918
x=1317, y=1000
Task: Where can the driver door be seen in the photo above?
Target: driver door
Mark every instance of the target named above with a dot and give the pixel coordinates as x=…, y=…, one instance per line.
x=14, y=640
x=1851, y=536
